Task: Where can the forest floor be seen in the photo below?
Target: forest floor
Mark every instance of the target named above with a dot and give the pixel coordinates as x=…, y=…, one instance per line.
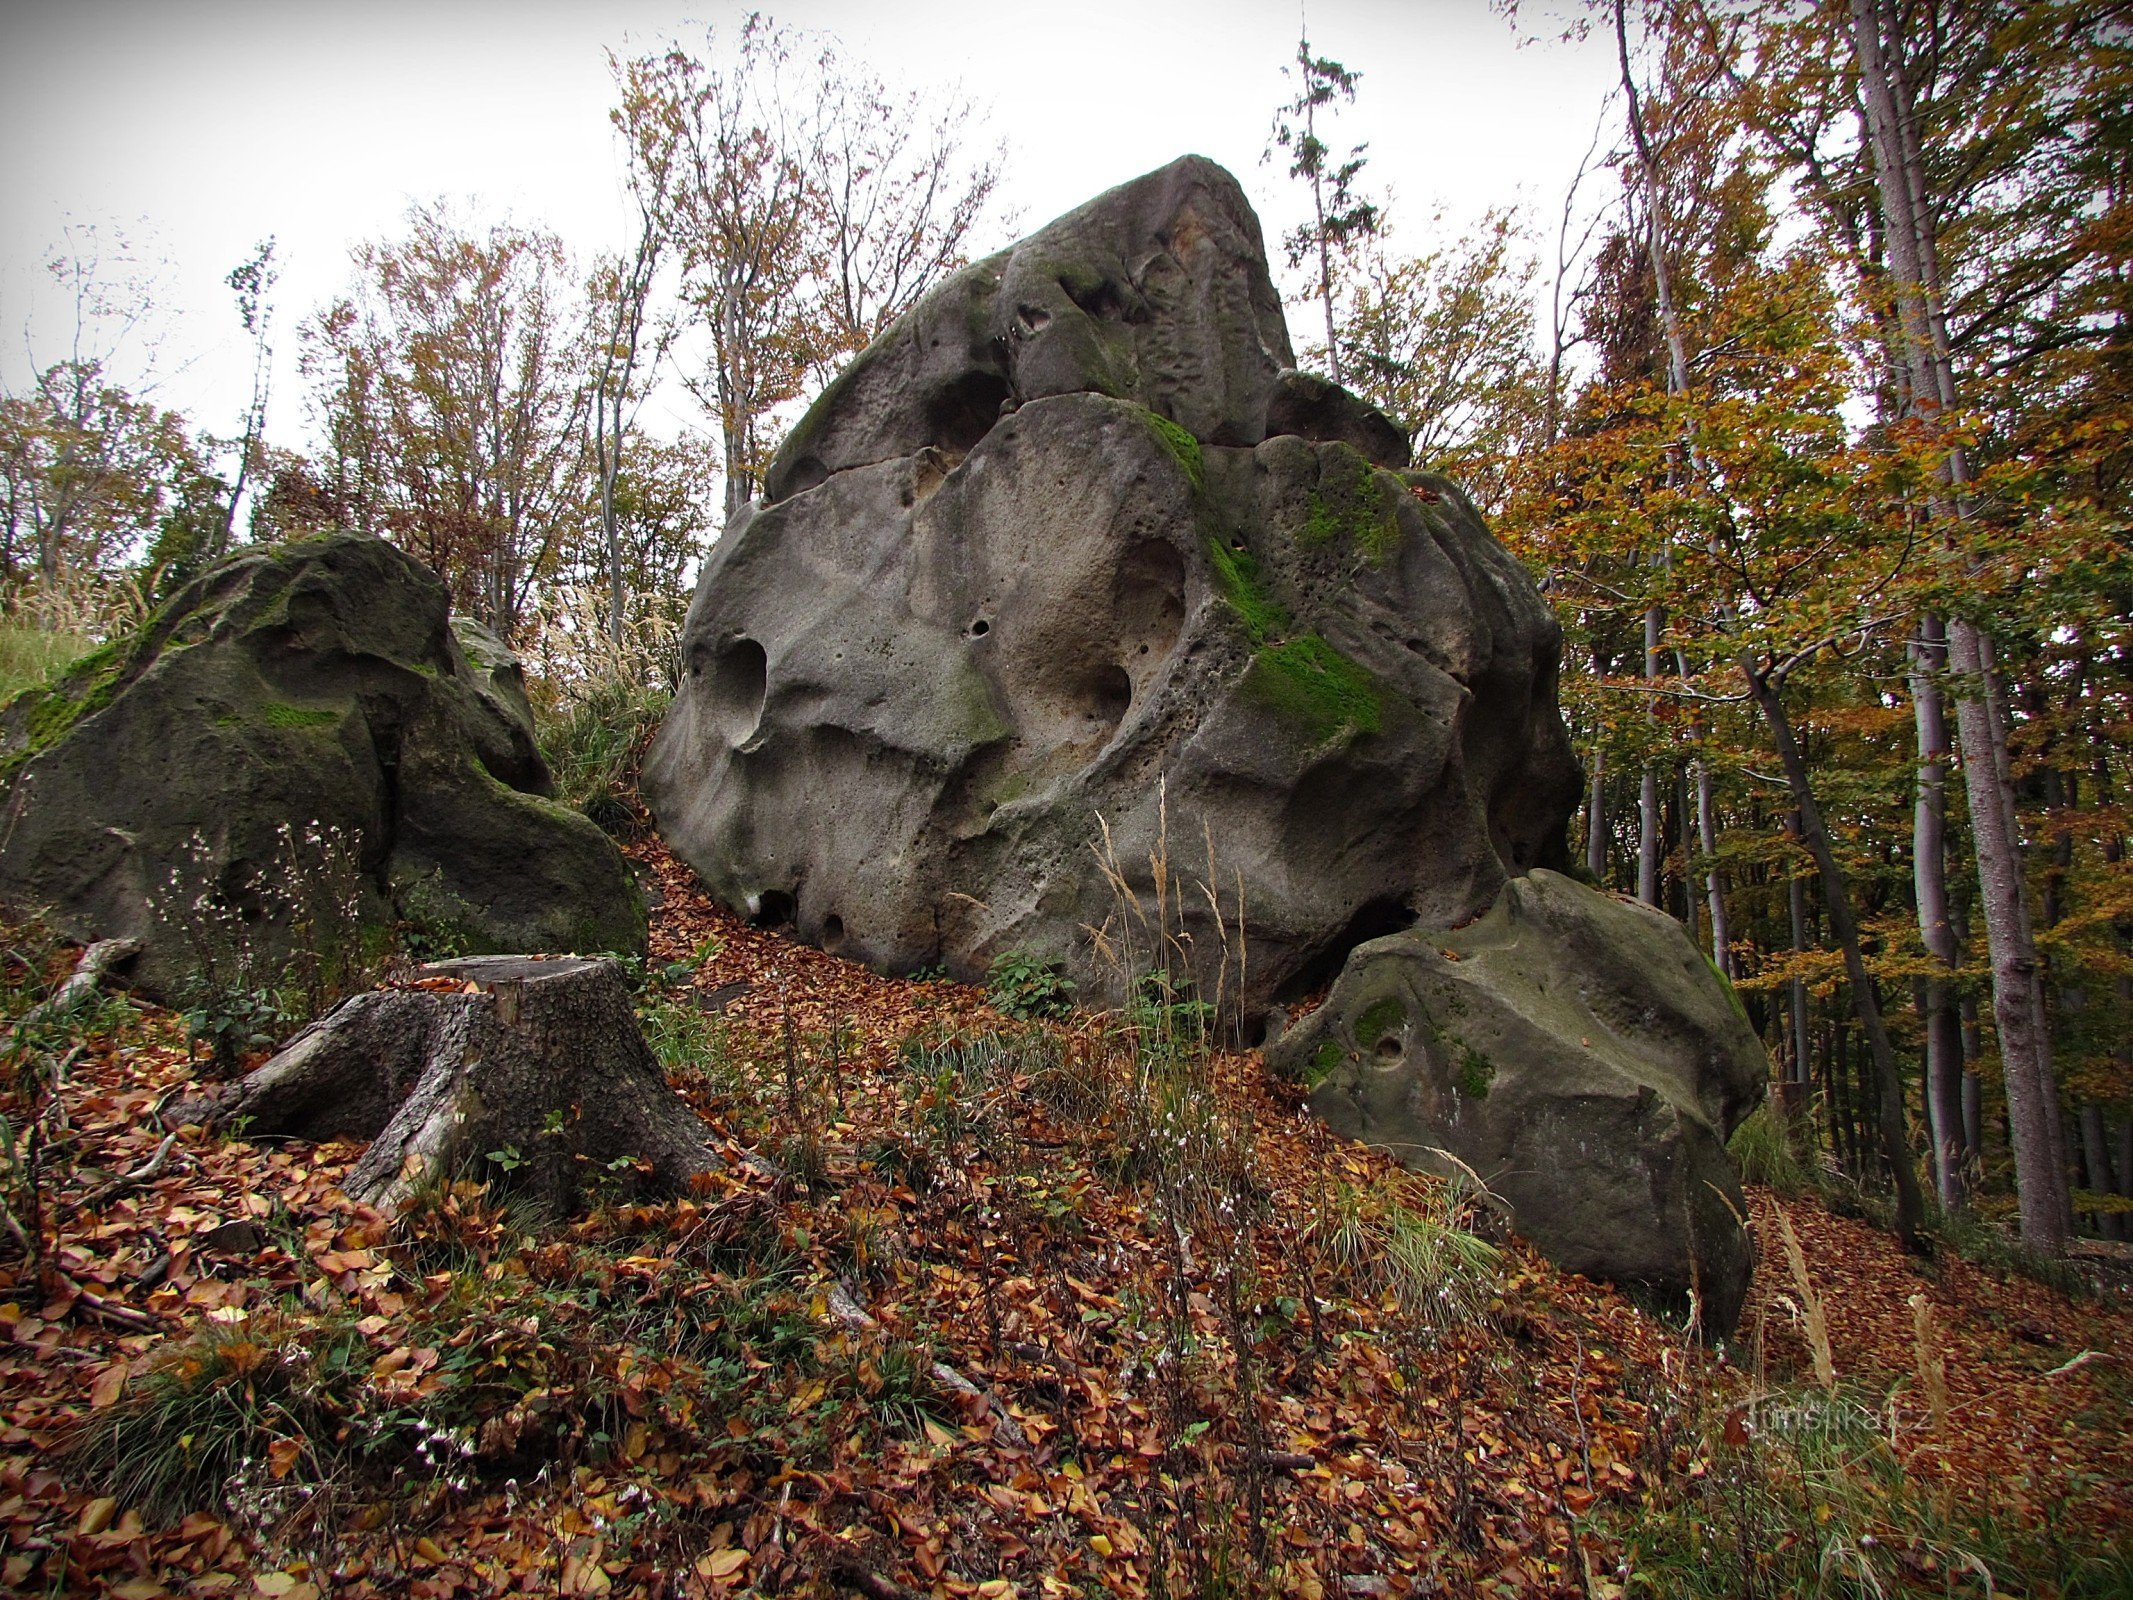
x=984, y=1332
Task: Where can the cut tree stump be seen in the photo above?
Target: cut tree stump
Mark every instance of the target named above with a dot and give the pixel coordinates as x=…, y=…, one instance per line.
x=531, y=1073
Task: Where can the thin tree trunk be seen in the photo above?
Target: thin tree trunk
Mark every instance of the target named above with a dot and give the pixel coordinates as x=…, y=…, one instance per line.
x=1796, y=900
x=1836, y=897
x=1929, y=870
x=2096, y=1159
x=1714, y=882
x=2018, y=1008
x=1596, y=821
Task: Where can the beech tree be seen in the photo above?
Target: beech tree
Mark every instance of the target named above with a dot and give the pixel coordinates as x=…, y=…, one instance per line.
x=451, y=391
x=1443, y=343
x=806, y=208
x=89, y=463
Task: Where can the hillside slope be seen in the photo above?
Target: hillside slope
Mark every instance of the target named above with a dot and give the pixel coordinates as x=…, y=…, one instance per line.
x=1032, y=1311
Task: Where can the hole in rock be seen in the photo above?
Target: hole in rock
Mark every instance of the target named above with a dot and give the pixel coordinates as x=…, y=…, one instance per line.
x=773, y=909
x=1103, y=300
x=739, y=679
x=1389, y=1047
x=963, y=412
x=1113, y=697
x=1150, y=597
x=980, y=628
x=1372, y=920
x=1032, y=319
x=833, y=933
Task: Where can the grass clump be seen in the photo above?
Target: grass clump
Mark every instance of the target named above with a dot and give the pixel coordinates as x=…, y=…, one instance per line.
x=30, y=655
x=1763, y=1148
x=592, y=745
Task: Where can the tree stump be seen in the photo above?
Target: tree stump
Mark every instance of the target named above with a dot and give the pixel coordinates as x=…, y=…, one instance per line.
x=531, y=1071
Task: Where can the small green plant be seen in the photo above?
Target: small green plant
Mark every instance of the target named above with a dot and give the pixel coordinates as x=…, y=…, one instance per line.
x=231, y=1022
x=1019, y=985
x=592, y=743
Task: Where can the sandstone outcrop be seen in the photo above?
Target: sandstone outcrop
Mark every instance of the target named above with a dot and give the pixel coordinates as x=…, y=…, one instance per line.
x=1071, y=547
x=316, y=684
x=1575, y=1052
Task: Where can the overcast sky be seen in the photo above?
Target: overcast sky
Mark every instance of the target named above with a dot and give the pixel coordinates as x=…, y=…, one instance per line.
x=201, y=126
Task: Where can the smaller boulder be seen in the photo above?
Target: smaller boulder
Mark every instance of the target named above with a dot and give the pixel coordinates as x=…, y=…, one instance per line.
x=1580, y=1056
x=319, y=685
x=1312, y=407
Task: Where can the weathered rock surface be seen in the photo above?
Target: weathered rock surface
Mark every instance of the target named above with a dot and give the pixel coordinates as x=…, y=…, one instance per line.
x=321, y=682
x=1579, y=1054
x=1033, y=560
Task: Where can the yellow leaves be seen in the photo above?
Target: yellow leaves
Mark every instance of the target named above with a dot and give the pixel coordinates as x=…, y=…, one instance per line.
x=282, y=1457
x=1101, y=1544
x=96, y=1517
x=583, y=1574
x=110, y=1384
x=284, y=1586
x=721, y=1566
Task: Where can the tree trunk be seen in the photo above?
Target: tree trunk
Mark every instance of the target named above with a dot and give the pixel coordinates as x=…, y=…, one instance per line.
x=1923, y=362
x=1714, y=881
x=1929, y=870
x=1796, y=903
x=1596, y=822
x=1836, y=897
x=528, y=1071
x=2096, y=1157
x=2017, y=988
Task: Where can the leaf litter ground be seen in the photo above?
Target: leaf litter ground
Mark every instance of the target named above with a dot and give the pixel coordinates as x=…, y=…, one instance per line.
x=952, y=1345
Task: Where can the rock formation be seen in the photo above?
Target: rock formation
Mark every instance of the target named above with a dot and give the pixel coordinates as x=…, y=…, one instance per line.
x=321, y=682
x=1072, y=542
x=1579, y=1055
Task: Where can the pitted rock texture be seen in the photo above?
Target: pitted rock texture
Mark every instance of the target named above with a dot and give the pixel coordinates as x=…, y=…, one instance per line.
x=322, y=683
x=1575, y=1052
x=923, y=679
x=1156, y=292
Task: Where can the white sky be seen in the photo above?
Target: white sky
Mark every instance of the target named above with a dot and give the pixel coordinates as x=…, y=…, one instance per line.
x=201, y=126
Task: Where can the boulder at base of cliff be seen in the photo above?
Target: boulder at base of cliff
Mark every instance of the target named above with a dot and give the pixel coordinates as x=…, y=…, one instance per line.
x=319, y=687
x=1034, y=573
x=1580, y=1056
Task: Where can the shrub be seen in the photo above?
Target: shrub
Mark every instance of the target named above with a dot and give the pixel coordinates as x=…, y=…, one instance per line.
x=1019, y=985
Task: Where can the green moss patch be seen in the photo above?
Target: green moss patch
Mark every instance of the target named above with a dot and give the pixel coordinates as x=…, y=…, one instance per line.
x=1476, y=1073
x=1304, y=679
x=1182, y=445
x=1325, y=1061
x=1351, y=505
x=82, y=690
x=278, y=714
x=1237, y=572
x=1386, y=1017
x=1310, y=682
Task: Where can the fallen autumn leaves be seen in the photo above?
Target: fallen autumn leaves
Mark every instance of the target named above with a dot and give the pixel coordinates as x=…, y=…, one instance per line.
x=233, y=1381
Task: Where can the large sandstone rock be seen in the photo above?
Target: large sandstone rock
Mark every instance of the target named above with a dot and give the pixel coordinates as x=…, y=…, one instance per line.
x=1579, y=1055
x=1035, y=560
x=317, y=682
